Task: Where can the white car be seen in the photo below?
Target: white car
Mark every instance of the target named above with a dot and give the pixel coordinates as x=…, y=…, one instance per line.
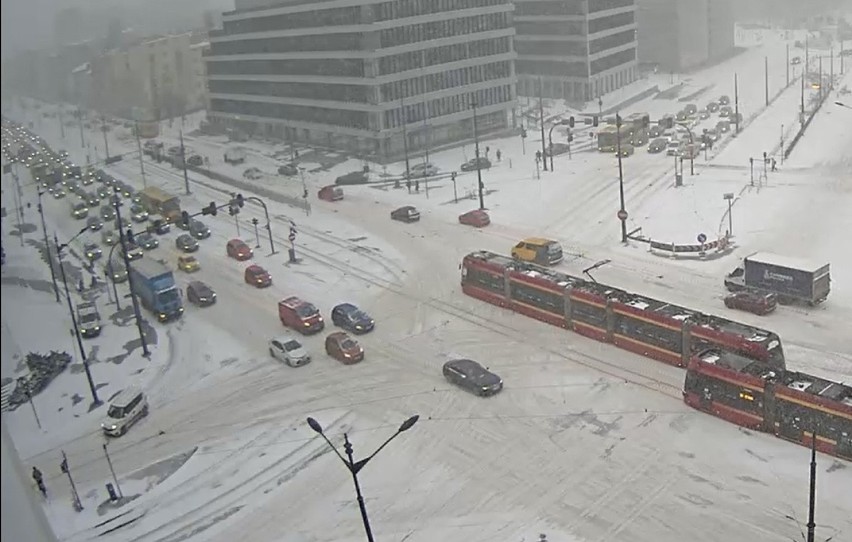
x=138, y=214
x=423, y=170
x=252, y=174
x=289, y=350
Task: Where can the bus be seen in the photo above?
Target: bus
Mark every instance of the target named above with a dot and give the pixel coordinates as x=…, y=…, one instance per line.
x=157, y=201
x=791, y=405
x=643, y=325
x=608, y=138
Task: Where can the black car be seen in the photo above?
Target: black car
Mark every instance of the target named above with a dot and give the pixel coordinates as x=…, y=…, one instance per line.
x=288, y=169
x=195, y=160
x=409, y=213
x=160, y=226
x=186, y=243
x=94, y=223
x=198, y=229
x=350, y=317
x=472, y=376
x=93, y=251
x=658, y=145
x=200, y=294
x=470, y=165
x=147, y=241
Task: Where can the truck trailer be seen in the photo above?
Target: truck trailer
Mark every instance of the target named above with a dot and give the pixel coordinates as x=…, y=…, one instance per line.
x=155, y=285
x=791, y=279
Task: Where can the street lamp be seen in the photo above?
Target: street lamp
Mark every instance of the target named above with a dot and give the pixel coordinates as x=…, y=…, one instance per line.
x=562, y=122
x=47, y=246
x=95, y=400
x=356, y=466
x=622, y=212
x=478, y=165
x=841, y=104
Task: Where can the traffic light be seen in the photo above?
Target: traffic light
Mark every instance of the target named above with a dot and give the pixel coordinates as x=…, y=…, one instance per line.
x=669, y=123
x=129, y=237
x=595, y=121
x=523, y=132
x=184, y=219
x=210, y=209
x=233, y=209
x=570, y=137
x=571, y=122
x=240, y=200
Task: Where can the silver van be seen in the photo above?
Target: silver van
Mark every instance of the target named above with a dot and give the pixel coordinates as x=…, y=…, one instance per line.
x=127, y=407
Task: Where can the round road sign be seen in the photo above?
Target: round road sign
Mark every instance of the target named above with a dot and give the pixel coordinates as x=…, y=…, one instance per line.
x=622, y=214
x=701, y=237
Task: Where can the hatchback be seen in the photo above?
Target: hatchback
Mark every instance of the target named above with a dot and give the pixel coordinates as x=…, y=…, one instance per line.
x=199, y=293
x=237, y=249
x=753, y=302
x=476, y=218
x=257, y=276
x=343, y=348
x=348, y=316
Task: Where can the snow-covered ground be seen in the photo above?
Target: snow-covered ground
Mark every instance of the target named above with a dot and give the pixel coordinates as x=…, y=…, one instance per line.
x=586, y=443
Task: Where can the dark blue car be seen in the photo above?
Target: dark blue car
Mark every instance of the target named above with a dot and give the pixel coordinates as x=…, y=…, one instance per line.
x=350, y=317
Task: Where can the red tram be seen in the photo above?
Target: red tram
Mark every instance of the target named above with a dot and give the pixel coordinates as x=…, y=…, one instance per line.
x=787, y=404
x=646, y=326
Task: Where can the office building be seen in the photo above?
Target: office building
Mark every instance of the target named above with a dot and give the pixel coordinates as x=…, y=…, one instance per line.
x=575, y=50
x=358, y=75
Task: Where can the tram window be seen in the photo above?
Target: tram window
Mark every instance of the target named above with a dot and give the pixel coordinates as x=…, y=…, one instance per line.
x=536, y=297
x=648, y=333
x=588, y=314
x=485, y=280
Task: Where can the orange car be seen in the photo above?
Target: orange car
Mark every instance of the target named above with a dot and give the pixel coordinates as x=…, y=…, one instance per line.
x=343, y=348
x=238, y=250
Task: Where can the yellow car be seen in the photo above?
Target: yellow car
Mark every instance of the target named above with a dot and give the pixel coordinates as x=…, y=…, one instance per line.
x=188, y=264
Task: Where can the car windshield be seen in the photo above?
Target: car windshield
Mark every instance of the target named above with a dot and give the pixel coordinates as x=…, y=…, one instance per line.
x=359, y=315
x=88, y=317
x=189, y=259
x=306, y=310
x=169, y=296
x=291, y=345
x=257, y=271
x=348, y=344
x=115, y=412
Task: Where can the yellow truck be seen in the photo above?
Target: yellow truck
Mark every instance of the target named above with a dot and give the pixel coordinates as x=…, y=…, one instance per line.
x=157, y=201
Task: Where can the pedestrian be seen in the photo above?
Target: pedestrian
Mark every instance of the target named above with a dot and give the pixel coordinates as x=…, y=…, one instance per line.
x=94, y=282
x=39, y=480
x=408, y=185
x=417, y=186
x=487, y=150
x=80, y=285
x=773, y=164
x=499, y=154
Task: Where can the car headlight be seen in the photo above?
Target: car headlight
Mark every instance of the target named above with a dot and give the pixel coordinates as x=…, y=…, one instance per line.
x=111, y=427
x=307, y=324
x=347, y=356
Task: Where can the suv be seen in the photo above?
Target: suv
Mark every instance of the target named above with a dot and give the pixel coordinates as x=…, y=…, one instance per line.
x=348, y=316
x=89, y=320
x=538, y=250
x=130, y=405
x=289, y=350
x=472, y=376
x=343, y=348
x=300, y=315
x=752, y=302
x=200, y=294
x=257, y=276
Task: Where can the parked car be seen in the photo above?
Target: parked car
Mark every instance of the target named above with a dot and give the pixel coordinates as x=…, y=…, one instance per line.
x=92, y=251
x=288, y=169
x=195, y=160
x=199, y=293
x=290, y=351
x=350, y=317
x=330, y=193
x=186, y=243
x=423, y=170
x=657, y=146
x=472, y=376
x=236, y=249
x=188, y=264
x=471, y=165
x=252, y=174
x=138, y=214
x=756, y=303
x=198, y=229
x=147, y=241
x=257, y=276
x=353, y=177
x=408, y=213
x=94, y=223
x=343, y=348
x=476, y=218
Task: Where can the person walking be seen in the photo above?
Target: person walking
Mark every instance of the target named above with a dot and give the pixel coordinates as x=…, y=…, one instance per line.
x=39, y=480
x=773, y=164
x=499, y=154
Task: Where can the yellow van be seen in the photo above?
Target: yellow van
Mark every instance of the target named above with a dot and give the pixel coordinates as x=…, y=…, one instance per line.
x=538, y=250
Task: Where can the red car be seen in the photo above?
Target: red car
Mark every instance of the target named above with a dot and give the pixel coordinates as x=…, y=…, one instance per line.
x=476, y=218
x=330, y=193
x=258, y=276
x=238, y=250
x=343, y=348
x=756, y=303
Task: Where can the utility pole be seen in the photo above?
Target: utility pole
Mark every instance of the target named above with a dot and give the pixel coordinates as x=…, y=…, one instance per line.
x=622, y=212
x=80, y=118
x=766, y=78
x=106, y=142
x=831, y=70
x=47, y=248
x=112, y=470
x=820, y=79
x=183, y=163
x=736, y=104
x=139, y=148
x=541, y=122
x=476, y=151
x=137, y=314
x=788, y=64
x=426, y=141
x=405, y=139
x=76, y=496
x=802, y=112
x=812, y=494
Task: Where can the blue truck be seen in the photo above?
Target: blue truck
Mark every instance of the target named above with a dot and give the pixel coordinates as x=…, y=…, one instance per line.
x=155, y=285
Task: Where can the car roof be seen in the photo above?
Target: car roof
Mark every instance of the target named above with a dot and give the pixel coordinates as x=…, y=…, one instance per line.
x=404, y=207
x=198, y=284
x=254, y=268
x=463, y=364
x=237, y=241
x=346, y=307
x=338, y=335
x=285, y=339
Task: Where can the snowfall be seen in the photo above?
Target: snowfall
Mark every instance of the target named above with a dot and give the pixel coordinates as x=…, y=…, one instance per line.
x=586, y=442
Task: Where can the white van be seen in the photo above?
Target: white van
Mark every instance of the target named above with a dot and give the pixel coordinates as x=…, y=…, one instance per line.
x=130, y=405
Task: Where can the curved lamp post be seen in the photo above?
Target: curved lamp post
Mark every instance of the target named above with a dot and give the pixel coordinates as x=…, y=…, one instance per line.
x=355, y=466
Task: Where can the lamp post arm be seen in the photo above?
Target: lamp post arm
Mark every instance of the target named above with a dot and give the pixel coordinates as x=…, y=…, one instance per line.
x=358, y=465
x=333, y=447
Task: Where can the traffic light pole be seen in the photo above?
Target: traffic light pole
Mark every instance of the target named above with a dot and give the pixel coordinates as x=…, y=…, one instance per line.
x=541, y=121
x=136, y=312
x=476, y=150
x=183, y=163
x=622, y=213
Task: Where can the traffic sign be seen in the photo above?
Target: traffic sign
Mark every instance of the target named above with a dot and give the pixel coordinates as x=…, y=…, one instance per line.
x=622, y=214
x=702, y=238
x=292, y=237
